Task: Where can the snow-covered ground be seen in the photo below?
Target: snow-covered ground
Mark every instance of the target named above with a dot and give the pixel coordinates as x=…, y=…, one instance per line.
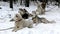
x=53, y=13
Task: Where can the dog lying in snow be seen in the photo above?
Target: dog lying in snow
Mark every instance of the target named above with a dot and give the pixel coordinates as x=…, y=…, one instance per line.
x=24, y=13
x=39, y=10
x=21, y=23
x=37, y=20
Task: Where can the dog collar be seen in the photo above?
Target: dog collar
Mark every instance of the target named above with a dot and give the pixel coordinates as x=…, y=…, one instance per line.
x=19, y=20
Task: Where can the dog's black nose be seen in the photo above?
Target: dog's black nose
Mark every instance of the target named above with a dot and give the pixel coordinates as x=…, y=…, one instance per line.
x=12, y=20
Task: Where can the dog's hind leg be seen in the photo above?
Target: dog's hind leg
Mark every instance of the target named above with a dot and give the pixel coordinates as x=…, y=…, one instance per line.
x=30, y=26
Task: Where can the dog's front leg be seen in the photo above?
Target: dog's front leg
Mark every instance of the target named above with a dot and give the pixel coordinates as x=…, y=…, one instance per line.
x=17, y=28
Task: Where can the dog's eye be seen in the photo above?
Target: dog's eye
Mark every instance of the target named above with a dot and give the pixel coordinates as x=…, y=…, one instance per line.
x=16, y=16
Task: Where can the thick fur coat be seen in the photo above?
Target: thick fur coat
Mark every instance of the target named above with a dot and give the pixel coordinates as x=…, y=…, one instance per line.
x=38, y=20
x=21, y=23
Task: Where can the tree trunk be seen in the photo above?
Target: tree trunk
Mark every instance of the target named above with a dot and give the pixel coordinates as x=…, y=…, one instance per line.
x=4, y=0
x=27, y=3
x=11, y=4
x=15, y=1
x=20, y=2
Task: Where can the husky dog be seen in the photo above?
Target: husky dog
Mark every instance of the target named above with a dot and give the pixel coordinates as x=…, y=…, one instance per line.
x=39, y=10
x=37, y=20
x=21, y=23
x=24, y=13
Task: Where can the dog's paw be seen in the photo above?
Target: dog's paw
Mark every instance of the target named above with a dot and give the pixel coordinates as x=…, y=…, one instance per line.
x=14, y=31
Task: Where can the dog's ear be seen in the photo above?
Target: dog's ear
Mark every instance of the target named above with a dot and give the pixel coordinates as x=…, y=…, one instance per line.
x=16, y=15
x=25, y=10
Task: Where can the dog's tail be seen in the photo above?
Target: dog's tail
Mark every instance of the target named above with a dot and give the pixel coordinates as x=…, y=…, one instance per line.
x=52, y=21
x=6, y=29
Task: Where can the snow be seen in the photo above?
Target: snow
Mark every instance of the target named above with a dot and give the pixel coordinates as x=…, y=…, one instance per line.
x=53, y=13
